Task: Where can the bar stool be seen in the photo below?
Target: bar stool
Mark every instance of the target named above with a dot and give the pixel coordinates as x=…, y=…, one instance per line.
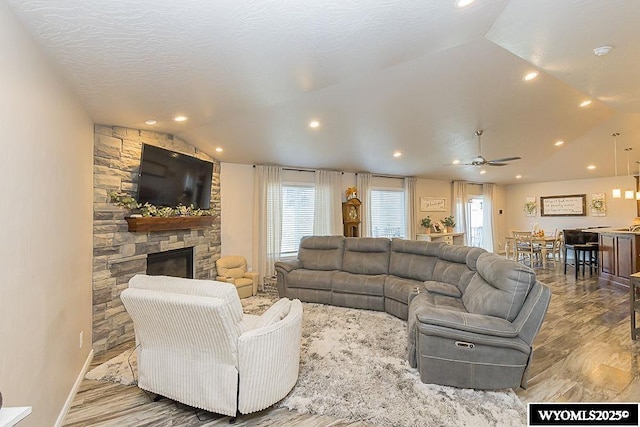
x=584, y=253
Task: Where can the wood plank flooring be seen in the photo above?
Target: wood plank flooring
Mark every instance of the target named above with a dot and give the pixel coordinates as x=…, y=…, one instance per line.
x=583, y=352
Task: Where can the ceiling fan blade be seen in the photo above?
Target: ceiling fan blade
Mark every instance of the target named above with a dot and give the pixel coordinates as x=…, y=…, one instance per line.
x=492, y=163
x=506, y=159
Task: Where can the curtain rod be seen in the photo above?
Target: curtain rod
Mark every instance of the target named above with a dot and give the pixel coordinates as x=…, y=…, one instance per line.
x=387, y=176
x=304, y=170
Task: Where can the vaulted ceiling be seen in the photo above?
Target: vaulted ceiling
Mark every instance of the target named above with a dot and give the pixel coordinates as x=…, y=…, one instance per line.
x=379, y=75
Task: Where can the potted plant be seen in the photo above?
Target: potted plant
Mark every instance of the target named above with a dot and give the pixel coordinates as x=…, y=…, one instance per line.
x=449, y=222
x=426, y=223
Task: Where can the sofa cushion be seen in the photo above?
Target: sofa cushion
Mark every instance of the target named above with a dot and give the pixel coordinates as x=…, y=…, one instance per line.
x=321, y=252
x=413, y=259
x=363, y=284
x=310, y=279
x=499, y=288
x=366, y=255
x=456, y=265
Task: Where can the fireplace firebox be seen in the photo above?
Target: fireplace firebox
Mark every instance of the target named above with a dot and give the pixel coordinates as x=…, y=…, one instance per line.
x=175, y=263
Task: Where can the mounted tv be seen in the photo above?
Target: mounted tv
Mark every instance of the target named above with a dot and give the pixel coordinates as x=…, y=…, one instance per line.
x=168, y=178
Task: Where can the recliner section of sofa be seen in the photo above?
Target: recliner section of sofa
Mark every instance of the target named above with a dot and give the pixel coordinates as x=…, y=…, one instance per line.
x=483, y=338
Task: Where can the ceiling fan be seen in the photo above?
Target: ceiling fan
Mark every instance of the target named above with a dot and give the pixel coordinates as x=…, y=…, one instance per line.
x=481, y=161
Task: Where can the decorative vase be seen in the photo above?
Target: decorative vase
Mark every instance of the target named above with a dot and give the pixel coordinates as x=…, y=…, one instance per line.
x=449, y=229
x=427, y=230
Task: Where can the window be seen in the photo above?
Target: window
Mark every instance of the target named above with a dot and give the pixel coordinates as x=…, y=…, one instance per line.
x=297, y=216
x=388, y=217
x=475, y=221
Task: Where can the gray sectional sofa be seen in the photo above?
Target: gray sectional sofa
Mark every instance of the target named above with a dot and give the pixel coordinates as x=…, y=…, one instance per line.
x=472, y=315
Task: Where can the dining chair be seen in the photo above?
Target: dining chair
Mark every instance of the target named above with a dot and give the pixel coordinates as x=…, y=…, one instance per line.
x=525, y=247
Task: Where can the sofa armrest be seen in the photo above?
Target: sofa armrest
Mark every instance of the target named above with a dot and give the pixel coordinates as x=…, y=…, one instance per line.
x=441, y=288
x=468, y=322
x=288, y=266
x=226, y=279
x=269, y=361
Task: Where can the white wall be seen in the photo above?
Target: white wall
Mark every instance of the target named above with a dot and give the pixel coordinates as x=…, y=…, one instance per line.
x=45, y=258
x=236, y=198
x=620, y=212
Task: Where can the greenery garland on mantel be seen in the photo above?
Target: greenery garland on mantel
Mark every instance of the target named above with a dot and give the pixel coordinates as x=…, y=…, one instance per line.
x=148, y=210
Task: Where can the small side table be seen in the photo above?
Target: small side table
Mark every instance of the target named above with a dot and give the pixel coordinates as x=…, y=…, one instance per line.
x=634, y=304
x=270, y=284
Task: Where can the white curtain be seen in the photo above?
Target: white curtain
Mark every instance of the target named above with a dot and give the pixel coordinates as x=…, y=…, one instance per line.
x=363, y=184
x=410, y=207
x=460, y=209
x=267, y=219
x=488, y=221
x=327, y=215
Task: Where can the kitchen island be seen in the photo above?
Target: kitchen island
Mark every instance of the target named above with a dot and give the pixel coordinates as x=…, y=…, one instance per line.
x=618, y=255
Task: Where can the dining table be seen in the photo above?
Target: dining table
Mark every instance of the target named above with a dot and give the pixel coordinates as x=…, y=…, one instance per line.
x=543, y=241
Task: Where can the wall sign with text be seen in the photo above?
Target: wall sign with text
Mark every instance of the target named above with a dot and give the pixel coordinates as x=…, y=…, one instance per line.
x=433, y=204
x=569, y=205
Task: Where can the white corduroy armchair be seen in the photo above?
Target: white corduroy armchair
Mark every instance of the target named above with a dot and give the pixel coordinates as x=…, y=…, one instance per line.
x=196, y=346
x=233, y=269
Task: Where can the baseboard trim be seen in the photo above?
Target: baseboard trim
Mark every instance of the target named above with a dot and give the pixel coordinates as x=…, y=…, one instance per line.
x=74, y=390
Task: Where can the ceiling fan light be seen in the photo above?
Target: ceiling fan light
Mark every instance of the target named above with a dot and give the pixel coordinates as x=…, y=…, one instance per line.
x=616, y=193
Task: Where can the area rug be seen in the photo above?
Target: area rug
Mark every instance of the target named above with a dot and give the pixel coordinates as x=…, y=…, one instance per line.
x=353, y=366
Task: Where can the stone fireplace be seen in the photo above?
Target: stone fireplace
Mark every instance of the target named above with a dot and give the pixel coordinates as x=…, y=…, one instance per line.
x=119, y=254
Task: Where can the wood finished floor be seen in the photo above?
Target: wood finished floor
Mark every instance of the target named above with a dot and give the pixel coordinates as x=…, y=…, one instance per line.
x=583, y=352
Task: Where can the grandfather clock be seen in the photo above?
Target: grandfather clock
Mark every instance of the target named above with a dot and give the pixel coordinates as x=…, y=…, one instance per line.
x=351, y=217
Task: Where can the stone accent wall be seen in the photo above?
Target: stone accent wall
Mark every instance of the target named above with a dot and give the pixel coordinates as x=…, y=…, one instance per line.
x=119, y=254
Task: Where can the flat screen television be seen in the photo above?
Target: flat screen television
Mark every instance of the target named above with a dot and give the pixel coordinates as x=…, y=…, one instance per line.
x=168, y=178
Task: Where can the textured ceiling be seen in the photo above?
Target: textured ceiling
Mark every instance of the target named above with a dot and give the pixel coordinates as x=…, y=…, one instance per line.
x=381, y=76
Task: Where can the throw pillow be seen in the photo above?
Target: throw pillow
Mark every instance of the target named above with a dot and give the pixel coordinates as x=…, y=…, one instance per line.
x=275, y=313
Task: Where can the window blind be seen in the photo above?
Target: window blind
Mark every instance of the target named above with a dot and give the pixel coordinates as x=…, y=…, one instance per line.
x=388, y=217
x=297, y=216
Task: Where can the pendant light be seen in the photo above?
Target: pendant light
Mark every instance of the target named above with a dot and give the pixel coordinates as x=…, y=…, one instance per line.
x=638, y=192
x=629, y=194
x=616, y=193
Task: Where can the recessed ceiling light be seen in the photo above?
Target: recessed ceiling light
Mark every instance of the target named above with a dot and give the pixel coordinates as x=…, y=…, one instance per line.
x=585, y=103
x=180, y=118
x=314, y=124
x=482, y=172
x=456, y=161
x=532, y=75
x=591, y=167
x=463, y=3
x=518, y=176
x=150, y=122
x=558, y=143
x=219, y=150
x=602, y=50
x=397, y=154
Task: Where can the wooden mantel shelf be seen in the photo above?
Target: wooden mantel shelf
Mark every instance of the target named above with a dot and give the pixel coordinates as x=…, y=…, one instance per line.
x=169, y=223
